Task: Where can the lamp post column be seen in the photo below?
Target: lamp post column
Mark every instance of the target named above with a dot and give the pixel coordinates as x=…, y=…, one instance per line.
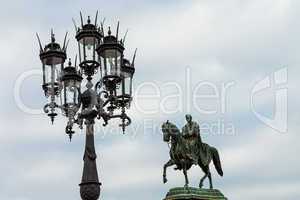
x=90, y=186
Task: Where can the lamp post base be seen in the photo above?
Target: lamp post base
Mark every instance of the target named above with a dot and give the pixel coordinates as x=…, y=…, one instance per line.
x=189, y=193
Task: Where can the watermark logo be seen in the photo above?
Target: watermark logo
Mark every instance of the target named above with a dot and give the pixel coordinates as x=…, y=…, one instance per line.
x=17, y=92
x=278, y=83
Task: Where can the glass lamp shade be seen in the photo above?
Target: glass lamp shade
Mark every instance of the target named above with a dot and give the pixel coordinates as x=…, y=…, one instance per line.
x=111, y=55
x=51, y=79
x=111, y=60
x=124, y=91
x=87, y=46
x=71, y=81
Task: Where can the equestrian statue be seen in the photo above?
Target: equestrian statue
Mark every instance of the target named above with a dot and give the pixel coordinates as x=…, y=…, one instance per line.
x=187, y=149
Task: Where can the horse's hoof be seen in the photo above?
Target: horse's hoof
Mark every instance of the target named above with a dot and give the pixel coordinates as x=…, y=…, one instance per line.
x=200, y=186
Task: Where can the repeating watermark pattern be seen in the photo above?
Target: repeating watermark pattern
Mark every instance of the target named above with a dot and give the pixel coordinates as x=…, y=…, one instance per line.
x=150, y=127
x=206, y=98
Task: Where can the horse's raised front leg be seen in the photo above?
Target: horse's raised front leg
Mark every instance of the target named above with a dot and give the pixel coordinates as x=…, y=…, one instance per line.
x=185, y=176
x=168, y=164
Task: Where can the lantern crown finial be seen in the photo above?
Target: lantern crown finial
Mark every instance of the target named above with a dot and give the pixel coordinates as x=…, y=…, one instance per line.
x=71, y=73
x=88, y=30
x=109, y=31
x=52, y=36
x=52, y=53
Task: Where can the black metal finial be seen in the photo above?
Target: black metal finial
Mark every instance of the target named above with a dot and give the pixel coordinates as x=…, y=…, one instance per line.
x=70, y=62
x=52, y=116
x=89, y=20
x=134, y=56
x=109, y=31
x=124, y=38
x=74, y=23
x=65, y=42
x=96, y=18
x=52, y=36
x=117, y=33
x=69, y=132
x=123, y=126
x=102, y=26
x=52, y=119
x=76, y=62
x=40, y=44
x=81, y=19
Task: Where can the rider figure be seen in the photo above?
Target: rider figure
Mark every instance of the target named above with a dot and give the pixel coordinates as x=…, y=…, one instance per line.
x=191, y=133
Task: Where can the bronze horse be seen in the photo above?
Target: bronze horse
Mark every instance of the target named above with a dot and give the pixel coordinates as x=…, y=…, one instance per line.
x=179, y=155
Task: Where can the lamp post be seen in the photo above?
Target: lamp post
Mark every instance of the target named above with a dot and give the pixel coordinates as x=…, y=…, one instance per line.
x=100, y=57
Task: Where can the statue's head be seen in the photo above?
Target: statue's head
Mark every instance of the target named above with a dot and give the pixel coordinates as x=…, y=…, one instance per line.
x=188, y=118
x=169, y=129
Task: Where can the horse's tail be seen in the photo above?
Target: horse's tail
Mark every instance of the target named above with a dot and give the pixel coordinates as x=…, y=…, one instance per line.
x=216, y=160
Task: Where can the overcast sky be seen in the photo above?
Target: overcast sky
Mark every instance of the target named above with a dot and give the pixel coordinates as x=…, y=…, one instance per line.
x=204, y=57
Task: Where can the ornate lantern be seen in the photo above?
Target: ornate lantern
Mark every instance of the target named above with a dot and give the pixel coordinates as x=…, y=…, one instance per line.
x=124, y=92
x=88, y=37
x=71, y=81
x=53, y=58
x=111, y=55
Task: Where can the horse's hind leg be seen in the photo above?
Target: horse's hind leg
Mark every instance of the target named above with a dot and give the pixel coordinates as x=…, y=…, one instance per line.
x=201, y=181
x=168, y=164
x=185, y=176
x=210, y=180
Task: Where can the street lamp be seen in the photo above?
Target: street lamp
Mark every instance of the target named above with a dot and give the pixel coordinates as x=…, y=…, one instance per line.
x=101, y=57
x=53, y=58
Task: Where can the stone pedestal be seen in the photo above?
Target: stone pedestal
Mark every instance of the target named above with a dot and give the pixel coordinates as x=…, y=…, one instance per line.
x=190, y=193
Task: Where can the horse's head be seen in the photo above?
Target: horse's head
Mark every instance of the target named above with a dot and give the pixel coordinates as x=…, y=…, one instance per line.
x=169, y=130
